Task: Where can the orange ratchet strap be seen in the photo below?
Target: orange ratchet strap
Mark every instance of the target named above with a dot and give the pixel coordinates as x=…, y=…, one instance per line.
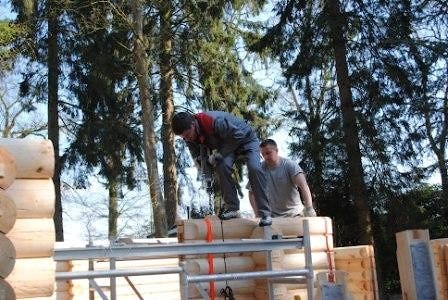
x=211, y=268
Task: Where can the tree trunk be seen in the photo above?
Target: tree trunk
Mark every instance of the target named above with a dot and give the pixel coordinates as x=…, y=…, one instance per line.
x=53, y=113
x=113, y=207
x=142, y=73
x=444, y=180
x=166, y=95
x=358, y=189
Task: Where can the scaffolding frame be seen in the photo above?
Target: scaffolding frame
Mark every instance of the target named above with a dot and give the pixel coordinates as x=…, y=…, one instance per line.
x=135, y=251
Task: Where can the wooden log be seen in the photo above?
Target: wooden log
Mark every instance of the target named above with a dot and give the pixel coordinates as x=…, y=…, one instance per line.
x=281, y=292
x=64, y=266
x=265, y=232
x=8, y=168
x=360, y=275
x=7, y=256
x=319, y=242
x=435, y=243
x=33, y=277
x=353, y=252
x=167, y=282
x=196, y=229
x=361, y=287
x=232, y=264
x=33, y=237
x=34, y=157
x=440, y=265
x=8, y=212
x=142, y=264
x=445, y=254
x=294, y=226
x=34, y=198
x=6, y=291
x=63, y=296
x=260, y=258
x=243, y=228
x=297, y=260
x=64, y=285
x=355, y=264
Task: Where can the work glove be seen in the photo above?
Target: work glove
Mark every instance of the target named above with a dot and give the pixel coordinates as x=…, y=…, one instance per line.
x=215, y=158
x=309, y=212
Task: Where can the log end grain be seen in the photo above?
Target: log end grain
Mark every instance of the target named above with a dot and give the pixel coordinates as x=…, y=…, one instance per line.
x=8, y=213
x=7, y=256
x=8, y=168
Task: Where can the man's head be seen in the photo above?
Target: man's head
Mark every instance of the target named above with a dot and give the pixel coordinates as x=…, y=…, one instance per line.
x=183, y=124
x=269, y=151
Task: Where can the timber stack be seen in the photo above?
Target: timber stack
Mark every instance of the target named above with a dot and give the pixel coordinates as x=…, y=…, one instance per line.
x=163, y=286
x=358, y=264
x=439, y=248
x=27, y=233
x=194, y=231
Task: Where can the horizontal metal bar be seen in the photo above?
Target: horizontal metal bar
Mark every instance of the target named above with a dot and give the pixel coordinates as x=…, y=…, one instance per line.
x=247, y=275
x=173, y=250
x=116, y=273
x=288, y=280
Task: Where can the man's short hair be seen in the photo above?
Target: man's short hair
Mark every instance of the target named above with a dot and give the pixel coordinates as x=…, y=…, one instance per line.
x=268, y=142
x=181, y=122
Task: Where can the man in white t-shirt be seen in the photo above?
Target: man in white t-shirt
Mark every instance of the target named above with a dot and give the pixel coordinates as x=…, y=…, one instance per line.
x=286, y=185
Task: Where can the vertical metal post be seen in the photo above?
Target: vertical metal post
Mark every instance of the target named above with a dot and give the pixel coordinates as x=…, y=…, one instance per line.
x=308, y=259
x=267, y=234
x=113, y=280
x=183, y=282
x=91, y=267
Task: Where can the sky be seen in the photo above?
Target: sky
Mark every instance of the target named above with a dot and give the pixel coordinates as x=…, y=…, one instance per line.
x=5, y=10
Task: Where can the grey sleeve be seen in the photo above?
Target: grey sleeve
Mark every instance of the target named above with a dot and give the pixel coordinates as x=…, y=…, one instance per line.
x=230, y=129
x=293, y=169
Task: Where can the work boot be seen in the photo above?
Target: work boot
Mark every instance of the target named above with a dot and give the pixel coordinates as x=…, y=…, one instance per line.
x=229, y=214
x=265, y=221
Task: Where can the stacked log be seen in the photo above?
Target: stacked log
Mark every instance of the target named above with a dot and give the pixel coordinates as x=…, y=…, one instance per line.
x=439, y=249
x=321, y=236
x=164, y=286
x=358, y=262
x=26, y=168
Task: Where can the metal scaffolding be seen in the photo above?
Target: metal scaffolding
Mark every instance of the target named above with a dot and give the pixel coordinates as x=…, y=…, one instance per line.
x=132, y=252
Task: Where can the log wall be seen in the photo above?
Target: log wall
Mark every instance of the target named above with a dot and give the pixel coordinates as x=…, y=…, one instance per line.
x=27, y=234
x=359, y=264
x=439, y=248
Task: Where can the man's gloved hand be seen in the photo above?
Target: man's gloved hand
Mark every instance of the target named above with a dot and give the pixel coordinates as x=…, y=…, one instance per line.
x=215, y=158
x=309, y=212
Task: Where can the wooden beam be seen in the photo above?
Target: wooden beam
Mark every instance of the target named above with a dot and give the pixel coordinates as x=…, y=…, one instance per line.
x=34, y=198
x=34, y=157
x=33, y=237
